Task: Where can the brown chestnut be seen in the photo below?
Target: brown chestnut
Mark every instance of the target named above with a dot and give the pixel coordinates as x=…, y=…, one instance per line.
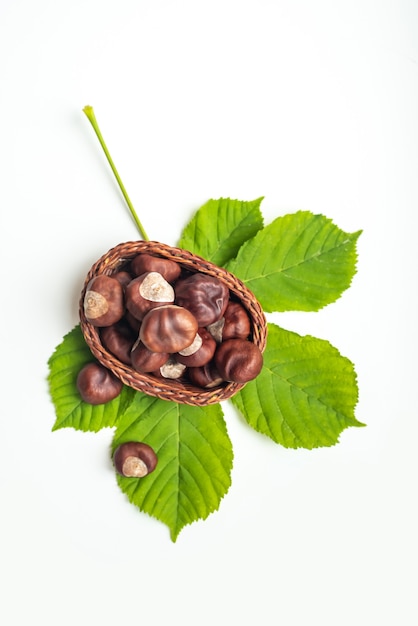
x=134, y=459
x=144, y=360
x=103, y=301
x=147, y=291
x=133, y=322
x=97, y=385
x=206, y=376
x=238, y=360
x=235, y=323
x=200, y=351
x=203, y=295
x=148, y=263
x=172, y=369
x=119, y=340
x=123, y=277
x=169, y=328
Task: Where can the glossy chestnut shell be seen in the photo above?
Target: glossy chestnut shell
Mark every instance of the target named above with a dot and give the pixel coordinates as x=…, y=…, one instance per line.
x=203, y=295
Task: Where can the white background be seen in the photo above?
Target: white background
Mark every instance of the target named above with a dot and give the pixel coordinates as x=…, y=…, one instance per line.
x=313, y=105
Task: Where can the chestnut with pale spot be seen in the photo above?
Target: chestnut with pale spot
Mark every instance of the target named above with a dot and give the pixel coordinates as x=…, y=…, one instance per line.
x=104, y=301
x=134, y=459
x=146, y=292
x=200, y=351
x=172, y=369
x=235, y=324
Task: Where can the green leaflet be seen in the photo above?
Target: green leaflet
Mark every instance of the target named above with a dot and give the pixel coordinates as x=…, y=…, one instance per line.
x=305, y=395
x=299, y=262
x=220, y=227
x=64, y=365
x=194, y=460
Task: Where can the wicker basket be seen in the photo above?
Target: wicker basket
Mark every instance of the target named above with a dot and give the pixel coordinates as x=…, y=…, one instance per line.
x=173, y=390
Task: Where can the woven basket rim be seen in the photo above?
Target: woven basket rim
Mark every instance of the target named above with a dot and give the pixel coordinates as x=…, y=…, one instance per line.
x=184, y=393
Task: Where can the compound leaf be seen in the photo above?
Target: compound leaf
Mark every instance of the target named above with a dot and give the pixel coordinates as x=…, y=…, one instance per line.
x=220, y=227
x=64, y=364
x=299, y=262
x=194, y=460
x=305, y=395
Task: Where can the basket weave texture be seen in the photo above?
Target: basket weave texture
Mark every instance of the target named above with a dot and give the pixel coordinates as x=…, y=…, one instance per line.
x=167, y=389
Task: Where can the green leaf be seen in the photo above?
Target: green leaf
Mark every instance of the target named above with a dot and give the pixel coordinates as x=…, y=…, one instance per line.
x=194, y=460
x=305, y=394
x=220, y=227
x=299, y=262
x=64, y=365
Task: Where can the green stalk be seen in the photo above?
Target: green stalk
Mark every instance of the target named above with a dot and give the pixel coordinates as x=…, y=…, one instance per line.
x=88, y=110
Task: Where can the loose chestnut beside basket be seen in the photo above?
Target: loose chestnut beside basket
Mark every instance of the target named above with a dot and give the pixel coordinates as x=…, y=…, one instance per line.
x=117, y=259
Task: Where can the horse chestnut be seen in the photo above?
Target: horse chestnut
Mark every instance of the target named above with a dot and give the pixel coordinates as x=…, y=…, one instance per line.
x=203, y=295
x=123, y=277
x=238, y=360
x=144, y=360
x=103, y=301
x=97, y=385
x=172, y=369
x=119, y=340
x=206, y=376
x=143, y=263
x=200, y=351
x=168, y=328
x=235, y=323
x=134, y=459
x=146, y=292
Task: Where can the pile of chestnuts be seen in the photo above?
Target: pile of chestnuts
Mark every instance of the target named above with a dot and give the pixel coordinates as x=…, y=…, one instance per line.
x=165, y=321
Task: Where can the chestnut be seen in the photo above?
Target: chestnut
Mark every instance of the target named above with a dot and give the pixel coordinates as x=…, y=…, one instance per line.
x=169, y=328
x=206, y=376
x=143, y=263
x=203, y=295
x=172, y=369
x=119, y=340
x=235, y=323
x=103, y=301
x=144, y=360
x=97, y=385
x=133, y=322
x=200, y=351
x=123, y=277
x=238, y=360
x=147, y=291
x=134, y=459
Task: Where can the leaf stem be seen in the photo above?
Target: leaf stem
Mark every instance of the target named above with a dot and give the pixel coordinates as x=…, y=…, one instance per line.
x=88, y=110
